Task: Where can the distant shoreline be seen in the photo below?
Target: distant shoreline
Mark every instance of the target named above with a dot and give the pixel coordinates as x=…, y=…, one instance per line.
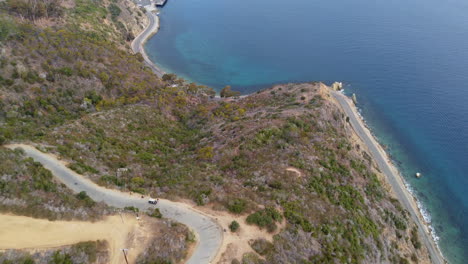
x=138, y=43
x=393, y=176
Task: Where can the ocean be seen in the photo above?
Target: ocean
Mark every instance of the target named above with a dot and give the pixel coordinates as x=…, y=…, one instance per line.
x=407, y=62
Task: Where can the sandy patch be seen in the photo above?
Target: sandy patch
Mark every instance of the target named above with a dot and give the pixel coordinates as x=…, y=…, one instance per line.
x=125, y=231
x=294, y=170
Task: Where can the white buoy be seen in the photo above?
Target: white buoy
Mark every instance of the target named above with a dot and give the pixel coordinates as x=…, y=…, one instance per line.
x=418, y=175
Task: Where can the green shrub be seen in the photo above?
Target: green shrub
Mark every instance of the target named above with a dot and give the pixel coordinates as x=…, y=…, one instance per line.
x=8, y=28
x=132, y=208
x=156, y=213
x=234, y=226
x=237, y=205
x=67, y=71
x=82, y=168
x=94, y=97
x=112, y=179
x=190, y=237
x=201, y=195
x=169, y=77
x=114, y=11
x=59, y=258
x=265, y=218
x=292, y=212
x=83, y=196
x=138, y=181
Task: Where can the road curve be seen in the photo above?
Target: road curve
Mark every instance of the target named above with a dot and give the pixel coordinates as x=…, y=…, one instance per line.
x=139, y=41
x=209, y=233
x=391, y=173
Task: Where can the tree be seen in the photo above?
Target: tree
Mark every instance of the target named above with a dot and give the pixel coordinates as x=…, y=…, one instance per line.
x=227, y=92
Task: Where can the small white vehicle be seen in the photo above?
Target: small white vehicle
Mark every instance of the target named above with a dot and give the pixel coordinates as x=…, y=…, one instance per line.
x=152, y=201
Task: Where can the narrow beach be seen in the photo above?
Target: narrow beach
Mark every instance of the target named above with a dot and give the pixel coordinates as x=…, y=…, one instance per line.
x=392, y=174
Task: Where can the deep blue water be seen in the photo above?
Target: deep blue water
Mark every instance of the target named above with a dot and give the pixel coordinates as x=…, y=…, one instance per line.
x=407, y=61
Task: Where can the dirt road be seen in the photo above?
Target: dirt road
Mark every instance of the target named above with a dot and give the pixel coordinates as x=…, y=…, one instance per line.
x=391, y=173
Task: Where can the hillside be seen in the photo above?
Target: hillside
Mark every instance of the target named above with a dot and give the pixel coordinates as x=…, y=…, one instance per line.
x=69, y=83
x=288, y=147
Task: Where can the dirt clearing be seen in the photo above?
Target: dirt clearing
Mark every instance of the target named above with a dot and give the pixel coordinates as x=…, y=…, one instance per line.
x=236, y=244
x=20, y=232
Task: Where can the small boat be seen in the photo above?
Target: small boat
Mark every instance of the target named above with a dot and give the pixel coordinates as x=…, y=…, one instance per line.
x=418, y=175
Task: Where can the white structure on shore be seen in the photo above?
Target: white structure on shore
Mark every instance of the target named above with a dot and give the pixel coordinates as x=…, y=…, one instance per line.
x=337, y=86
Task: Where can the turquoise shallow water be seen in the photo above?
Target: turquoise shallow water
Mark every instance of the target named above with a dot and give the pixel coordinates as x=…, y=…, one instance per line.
x=406, y=60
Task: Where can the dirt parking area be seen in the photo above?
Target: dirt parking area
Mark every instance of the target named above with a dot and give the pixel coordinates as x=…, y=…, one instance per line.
x=120, y=231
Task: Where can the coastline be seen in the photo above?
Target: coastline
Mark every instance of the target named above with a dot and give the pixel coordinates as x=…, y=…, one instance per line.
x=138, y=43
x=400, y=188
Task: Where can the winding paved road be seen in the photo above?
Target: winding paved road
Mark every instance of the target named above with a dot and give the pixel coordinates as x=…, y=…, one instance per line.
x=392, y=175
x=139, y=41
x=209, y=233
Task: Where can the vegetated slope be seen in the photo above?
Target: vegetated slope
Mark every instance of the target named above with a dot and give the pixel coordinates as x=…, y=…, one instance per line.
x=55, y=66
x=288, y=147
x=59, y=61
x=26, y=188
x=54, y=69
x=67, y=80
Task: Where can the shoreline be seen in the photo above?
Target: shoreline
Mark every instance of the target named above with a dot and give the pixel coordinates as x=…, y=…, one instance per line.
x=138, y=43
x=400, y=188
